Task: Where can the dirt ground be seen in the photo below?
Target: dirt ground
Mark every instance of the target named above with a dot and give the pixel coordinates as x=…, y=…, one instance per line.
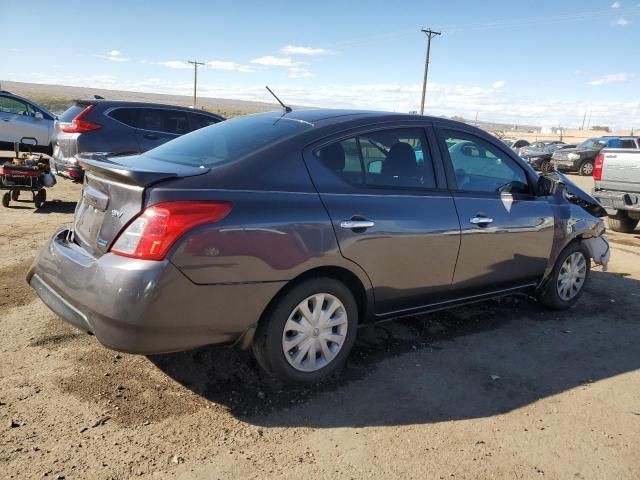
x=503, y=389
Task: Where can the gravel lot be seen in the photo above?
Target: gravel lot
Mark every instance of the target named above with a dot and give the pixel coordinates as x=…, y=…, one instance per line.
x=503, y=389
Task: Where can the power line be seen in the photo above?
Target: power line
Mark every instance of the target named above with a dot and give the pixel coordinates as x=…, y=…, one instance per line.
x=430, y=34
x=195, y=64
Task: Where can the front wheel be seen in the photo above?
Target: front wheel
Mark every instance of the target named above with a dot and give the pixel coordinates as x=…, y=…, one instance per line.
x=586, y=168
x=6, y=200
x=569, y=275
x=307, y=335
x=15, y=194
x=546, y=167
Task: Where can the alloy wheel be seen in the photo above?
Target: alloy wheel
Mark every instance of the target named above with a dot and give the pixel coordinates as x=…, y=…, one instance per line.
x=315, y=332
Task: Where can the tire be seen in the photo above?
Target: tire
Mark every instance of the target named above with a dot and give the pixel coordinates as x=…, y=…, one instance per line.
x=38, y=200
x=43, y=194
x=6, y=200
x=586, y=168
x=546, y=167
x=551, y=294
x=274, y=332
x=622, y=223
x=15, y=194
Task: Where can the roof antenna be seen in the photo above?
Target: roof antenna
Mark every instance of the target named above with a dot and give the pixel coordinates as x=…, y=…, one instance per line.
x=286, y=109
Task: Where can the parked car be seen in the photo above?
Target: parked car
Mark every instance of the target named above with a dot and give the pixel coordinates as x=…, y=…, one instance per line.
x=20, y=118
x=515, y=144
x=540, y=145
x=541, y=159
x=583, y=157
x=617, y=187
x=285, y=232
x=119, y=127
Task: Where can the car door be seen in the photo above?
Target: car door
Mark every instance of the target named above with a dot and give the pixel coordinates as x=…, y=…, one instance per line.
x=506, y=231
x=18, y=120
x=159, y=125
x=391, y=212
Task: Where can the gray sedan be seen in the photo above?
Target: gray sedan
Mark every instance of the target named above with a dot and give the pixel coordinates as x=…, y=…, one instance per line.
x=284, y=232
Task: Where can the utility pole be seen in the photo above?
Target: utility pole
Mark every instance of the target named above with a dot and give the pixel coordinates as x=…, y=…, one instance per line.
x=584, y=118
x=195, y=64
x=430, y=34
x=589, y=122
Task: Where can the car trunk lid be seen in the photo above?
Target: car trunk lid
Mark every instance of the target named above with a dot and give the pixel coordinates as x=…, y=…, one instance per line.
x=113, y=195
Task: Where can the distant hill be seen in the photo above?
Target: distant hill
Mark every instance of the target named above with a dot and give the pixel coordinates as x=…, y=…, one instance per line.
x=59, y=97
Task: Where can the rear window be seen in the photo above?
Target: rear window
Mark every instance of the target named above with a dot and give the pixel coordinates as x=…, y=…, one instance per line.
x=71, y=113
x=228, y=140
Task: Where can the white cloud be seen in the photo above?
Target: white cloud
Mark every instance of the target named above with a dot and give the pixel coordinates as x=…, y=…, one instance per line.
x=622, y=22
x=297, y=72
x=611, y=78
x=498, y=84
x=229, y=66
x=442, y=99
x=615, y=4
x=298, y=50
x=271, y=61
x=177, y=64
x=114, y=55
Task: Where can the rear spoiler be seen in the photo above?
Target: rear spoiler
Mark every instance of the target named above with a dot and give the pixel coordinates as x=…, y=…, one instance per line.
x=107, y=166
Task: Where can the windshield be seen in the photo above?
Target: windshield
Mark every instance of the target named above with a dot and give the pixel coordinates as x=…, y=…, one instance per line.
x=593, y=143
x=228, y=140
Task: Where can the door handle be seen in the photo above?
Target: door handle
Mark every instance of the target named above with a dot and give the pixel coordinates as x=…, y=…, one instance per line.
x=150, y=136
x=356, y=224
x=480, y=221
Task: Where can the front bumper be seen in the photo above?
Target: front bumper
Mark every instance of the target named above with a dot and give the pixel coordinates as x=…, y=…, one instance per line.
x=142, y=306
x=564, y=165
x=612, y=201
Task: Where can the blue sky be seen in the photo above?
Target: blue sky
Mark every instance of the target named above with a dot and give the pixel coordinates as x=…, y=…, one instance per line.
x=542, y=62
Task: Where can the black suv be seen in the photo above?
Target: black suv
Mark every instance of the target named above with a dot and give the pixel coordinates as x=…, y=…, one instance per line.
x=582, y=158
x=119, y=128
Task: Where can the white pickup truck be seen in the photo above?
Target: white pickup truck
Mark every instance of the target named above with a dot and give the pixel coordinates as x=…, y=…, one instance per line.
x=617, y=187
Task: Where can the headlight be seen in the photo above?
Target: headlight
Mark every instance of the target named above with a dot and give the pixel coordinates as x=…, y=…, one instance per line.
x=573, y=156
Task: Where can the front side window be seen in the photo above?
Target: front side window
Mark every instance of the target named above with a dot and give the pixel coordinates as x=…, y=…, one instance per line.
x=481, y=167
x=11, y=105
x=167, y=121
x=396, y=158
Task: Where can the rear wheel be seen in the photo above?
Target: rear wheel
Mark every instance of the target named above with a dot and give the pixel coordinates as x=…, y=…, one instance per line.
x=569, y=275
x=308, y=333
x=15, y=194
x=586, y=168
x=545, y=166
x=6, y=199
x=622, y=223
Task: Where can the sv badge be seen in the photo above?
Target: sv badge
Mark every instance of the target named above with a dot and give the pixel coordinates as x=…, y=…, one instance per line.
x=116, y=213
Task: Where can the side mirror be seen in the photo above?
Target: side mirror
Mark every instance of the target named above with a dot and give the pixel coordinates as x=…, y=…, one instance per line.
x=545, y=186
x=38, y=116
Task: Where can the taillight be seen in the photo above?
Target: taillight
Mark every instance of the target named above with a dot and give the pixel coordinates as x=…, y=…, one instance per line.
x=156, y=229
x=79, y=125
x=597, y=167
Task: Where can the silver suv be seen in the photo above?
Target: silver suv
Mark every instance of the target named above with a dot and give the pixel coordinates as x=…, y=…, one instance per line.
x=20, y=117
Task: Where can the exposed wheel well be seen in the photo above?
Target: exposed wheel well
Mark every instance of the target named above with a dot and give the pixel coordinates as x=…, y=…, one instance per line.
x=343, y=275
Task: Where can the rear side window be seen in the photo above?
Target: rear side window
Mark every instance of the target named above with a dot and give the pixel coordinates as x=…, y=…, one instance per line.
x=628, y=143
x=166, y=121
x=201, y=121
x=229, y=140
x=396, y=158
x=71, y=113
x=481, y=167
x=128, y=116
